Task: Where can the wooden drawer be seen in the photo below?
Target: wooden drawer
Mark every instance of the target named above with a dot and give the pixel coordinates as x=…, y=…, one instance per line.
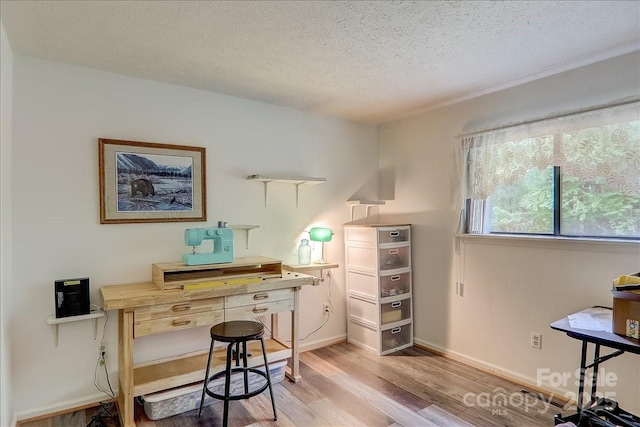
x=175, y=323
x=259, y=298
x=245, y=312
x=158, y=311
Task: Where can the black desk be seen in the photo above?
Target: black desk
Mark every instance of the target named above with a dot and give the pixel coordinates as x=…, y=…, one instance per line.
x=599, y=338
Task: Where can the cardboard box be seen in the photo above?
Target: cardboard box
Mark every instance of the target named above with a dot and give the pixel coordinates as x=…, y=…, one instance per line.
x=626, y=313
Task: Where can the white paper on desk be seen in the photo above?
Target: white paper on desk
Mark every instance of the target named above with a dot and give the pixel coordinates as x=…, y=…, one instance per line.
x=593, y=319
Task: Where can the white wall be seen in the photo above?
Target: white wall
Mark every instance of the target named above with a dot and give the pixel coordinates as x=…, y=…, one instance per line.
x=59, y=113
x=6, y=291
x=511, y=289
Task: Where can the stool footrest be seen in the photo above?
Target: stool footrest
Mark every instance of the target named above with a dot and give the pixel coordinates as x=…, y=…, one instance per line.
x=237, y=396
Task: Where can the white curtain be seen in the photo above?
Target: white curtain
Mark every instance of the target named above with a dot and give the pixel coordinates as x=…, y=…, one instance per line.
x=600, y=143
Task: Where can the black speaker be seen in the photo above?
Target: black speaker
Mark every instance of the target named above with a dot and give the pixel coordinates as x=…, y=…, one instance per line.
x=72, y=297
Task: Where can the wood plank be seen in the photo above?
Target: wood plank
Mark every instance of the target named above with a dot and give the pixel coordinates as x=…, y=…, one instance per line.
x=363, y=373
x=171, y=275
x=316, y=386
x=116, y=297
x=333, y=414
x=73, y=419
x=260, y=408
x=440, y=417
x=289, y=404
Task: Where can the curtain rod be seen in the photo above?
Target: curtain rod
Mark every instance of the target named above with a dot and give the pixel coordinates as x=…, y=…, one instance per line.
x=618, y=103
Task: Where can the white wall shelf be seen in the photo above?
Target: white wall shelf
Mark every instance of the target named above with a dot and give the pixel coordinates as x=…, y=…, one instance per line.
x=299, y=268
x=295, y=180
x=55, y=321
x=247, y=229
x=366, y=203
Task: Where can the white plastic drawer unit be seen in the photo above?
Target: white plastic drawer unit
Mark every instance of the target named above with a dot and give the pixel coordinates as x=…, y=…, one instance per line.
x=395, y=311
x=393, y=235
x=395, y=284
x=396, y=338
x=394, y=258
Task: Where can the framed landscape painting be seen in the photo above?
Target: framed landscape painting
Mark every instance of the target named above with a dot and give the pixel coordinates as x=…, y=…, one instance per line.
x=150, y=182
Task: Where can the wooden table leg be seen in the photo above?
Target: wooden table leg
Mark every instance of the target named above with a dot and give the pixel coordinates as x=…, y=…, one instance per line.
x=295, y=344
x=125, y=368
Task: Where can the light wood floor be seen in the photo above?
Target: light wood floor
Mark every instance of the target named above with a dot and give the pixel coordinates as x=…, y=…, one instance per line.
x=343, y=385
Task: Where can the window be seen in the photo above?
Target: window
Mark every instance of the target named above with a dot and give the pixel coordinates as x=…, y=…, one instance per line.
x=576, y=175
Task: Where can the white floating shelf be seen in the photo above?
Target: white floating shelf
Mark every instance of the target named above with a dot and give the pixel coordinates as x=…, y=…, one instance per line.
x=55, y=321
x=299, y=268
x=247, y=228
x=295, y=180
x=367, y=203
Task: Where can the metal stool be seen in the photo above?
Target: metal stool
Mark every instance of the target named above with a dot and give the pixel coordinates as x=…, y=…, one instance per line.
x=235, y=333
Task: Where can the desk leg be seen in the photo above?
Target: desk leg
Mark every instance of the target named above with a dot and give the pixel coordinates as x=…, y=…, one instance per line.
x=583, y=364
x=125, y=368
x=294, y=372
x=594, y=379
x=295, y=332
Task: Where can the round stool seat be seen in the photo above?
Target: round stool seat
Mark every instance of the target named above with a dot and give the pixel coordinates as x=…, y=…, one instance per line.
x=237, y=330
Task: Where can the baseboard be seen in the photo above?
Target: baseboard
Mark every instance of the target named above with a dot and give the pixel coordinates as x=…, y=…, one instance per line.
x=60, y=408
x=557, y=395
x=323, y=343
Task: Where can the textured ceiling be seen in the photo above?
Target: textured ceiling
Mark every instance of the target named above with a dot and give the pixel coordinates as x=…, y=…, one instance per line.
x=366, y=61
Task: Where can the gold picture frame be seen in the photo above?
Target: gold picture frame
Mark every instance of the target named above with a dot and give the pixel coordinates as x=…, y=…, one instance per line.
x=151, y=182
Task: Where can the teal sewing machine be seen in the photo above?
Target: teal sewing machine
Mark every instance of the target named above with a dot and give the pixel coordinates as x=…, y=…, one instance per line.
x=222, y=245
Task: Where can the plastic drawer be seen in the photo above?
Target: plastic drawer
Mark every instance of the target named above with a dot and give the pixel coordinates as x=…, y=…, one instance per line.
x=395, y=284
x=396, y=338
x=394, y=258
x=393, y=235
x=395, y=311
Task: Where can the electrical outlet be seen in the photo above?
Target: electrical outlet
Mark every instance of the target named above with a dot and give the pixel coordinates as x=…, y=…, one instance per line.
x=326, y=308
x=103, y=353
x=536, y=340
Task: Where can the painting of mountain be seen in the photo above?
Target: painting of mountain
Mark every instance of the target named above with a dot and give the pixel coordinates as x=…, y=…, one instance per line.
x=148, y=182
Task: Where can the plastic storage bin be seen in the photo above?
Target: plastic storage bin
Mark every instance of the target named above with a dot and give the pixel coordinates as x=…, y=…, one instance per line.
x=395, y=235
x=395, y=284
x=182, y=399
x=394, y=258
x=395, y=311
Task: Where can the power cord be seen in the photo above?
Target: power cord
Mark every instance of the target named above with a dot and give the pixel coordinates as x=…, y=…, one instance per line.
x=331, y=309
x=102, y=362
x=105, y=412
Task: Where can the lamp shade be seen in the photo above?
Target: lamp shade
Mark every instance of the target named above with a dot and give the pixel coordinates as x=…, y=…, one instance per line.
x=320, y=234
